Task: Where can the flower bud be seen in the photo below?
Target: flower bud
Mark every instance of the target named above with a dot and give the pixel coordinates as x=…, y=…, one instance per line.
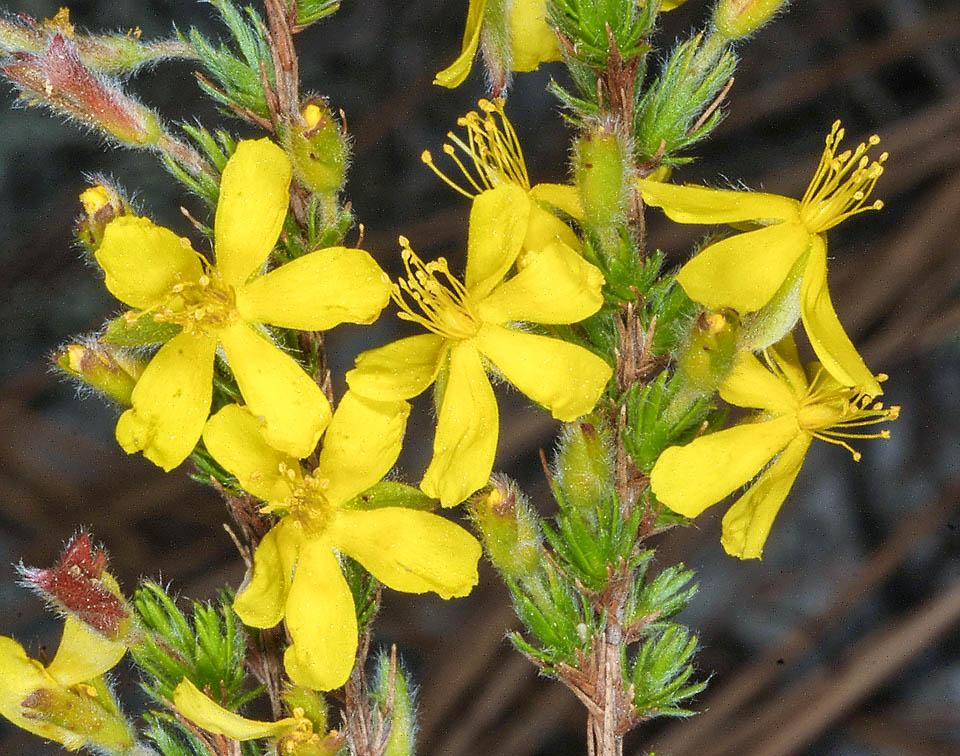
x=735, y=19
x=600, y=169
x=318, y=149
x=58, y=78
x=79, y=585
x=508, y=528
x=398, y=704
x=86, y=715
x=583, y=468
x=708, y=355
x=101, y=204
x=110, y=370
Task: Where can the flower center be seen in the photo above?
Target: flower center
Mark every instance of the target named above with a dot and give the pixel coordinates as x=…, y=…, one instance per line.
x=829, y=411
x=440, y=303
x=200, y=306
x=492, y=147
x=841, y=184
x=307, y=504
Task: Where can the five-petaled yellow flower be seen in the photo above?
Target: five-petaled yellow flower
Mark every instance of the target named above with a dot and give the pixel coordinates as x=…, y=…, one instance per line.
x=151, y=269
x=493, y=150
x=470, y=331
x=64, y=701
x=798, y=404
x=296, y=574
x=787, y=255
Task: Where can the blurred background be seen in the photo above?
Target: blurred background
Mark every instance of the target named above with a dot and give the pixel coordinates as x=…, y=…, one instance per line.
x=842, y=641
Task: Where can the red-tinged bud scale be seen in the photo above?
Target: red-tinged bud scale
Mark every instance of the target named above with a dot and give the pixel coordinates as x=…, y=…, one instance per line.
x=80, y=585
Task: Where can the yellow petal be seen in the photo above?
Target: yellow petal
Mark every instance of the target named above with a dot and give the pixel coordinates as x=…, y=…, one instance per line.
x=254, y=194
x=277, y=391
x=144, y=261
x=361, y=445
x=744, y=271
x=83, y=654
x=532, y=40
x=554, y=285
x=455, y=73
x=235, y=439
x=318, y=291
x=786, y=357
x=690, y=478
x=837, y=353
x=212, y=717
x=747, y=523
x=545, y=228
x=410, y=550
x=399, y=370
x=19, y=677
x=262, y=599
x=566, y=197
x=171, y=402
x=700, y=204
x=563, y=377
x=669, y=5
x=322, y=621
x=498, y=224
x=467, y=430
x=751, y=384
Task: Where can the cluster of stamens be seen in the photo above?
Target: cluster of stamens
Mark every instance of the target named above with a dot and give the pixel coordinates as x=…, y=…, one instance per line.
x=304, y=740
x=307, y=503
x=199, y=306
x=841, y=184
x=441, y=301
x=491, y=145
x=829, y=410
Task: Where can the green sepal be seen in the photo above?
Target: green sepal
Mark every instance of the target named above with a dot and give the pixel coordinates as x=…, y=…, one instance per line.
x=364, y=590
x=144, y=331
x=388, y=493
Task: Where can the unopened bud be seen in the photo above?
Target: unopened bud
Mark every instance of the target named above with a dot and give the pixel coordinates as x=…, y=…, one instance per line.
x=583, y=468
x=101, y=204
x=109, y=369
x=85, y=713
x=735, y=19
x=397, y=703
x=509, y=529
x=58, y=78
x=601, y=175
x=309, y=704
x=318, y=149
x=79, y=585
x=708, y=355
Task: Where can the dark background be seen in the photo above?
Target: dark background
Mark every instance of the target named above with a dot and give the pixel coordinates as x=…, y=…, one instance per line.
x=842, y=641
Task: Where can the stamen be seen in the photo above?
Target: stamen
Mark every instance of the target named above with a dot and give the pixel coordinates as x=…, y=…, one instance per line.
x=492, y=146
x=440, y=303
x=841, y=183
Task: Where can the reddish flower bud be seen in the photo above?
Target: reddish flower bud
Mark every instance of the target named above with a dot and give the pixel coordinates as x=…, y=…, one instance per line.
x=80, y=585
x=58, y=78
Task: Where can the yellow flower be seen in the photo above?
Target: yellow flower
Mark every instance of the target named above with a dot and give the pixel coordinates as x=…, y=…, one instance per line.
x=64, y=701
x=516, y=37
x=747, y=270
x=295, y=572
x=798, y=405
x=493, y=150
x=154, y=271
x=469, y=330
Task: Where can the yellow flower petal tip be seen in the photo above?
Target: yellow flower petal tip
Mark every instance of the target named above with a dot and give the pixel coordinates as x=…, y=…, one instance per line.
x=799, y=405
x=226, y=304
x=779, y=269
x=212, y=717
